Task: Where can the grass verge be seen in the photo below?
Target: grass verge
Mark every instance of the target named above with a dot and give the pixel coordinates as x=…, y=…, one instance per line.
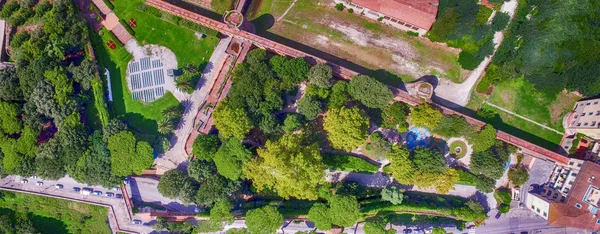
x=50, y=215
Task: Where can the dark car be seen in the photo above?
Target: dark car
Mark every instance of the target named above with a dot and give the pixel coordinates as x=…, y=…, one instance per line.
x=118, y=196
x=498, y=215
x=75, y=189
x=137, y=222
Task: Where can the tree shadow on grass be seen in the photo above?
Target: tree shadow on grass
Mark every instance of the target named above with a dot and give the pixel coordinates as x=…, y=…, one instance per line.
x=263, y=23
x=49, y=225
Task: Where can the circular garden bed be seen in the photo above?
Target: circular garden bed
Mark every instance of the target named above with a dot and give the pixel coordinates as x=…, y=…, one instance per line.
x=458, y=149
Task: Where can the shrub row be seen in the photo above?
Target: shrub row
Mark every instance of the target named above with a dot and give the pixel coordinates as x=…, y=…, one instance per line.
x=99, y=101
x=462, y=212
x=109, y=4
x=348, y=163
x=114, y=38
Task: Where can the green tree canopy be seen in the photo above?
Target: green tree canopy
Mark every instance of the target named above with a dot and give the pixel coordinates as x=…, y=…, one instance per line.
x=9, y=114
x=205, y=146
x=438, y=230
x=426, y=116
x=454, y=126
x=129, y=156
x=319, y=214
x=215, y=188
x=265, y=220
x=518, y=176
x=485, y=139
x=347, y=128
x=291, y=123
x=370, y=92
x=377, y=225
x=310, y=107
x=500, y=21
x=429, y=161
x=200, y=170
x=320, y=75
x=288, y=167
x=291, y=71
x=392, y=194
x=401, y=167
x=230, y=158
x=487, y=163
x=231, y=121
x=220, y=214
x=339, y=95
x=171, y=182
x=344, y=210
x=394, y=116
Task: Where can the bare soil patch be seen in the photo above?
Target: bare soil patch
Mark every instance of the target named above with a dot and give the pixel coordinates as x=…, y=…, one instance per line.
x=563, y=103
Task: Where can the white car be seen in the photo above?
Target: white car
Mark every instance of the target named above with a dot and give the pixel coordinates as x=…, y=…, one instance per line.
x=39, y=183
x=116, y=189
x=58, y=186
x=24, y=181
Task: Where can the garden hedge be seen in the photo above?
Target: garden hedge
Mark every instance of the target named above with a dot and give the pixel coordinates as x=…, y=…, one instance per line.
x=348, y=163
x=127, y=27
x=109, y=4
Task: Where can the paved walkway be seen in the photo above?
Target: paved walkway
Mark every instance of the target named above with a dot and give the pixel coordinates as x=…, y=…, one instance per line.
x=459, y=94
x=286, y=11
x=176, y=155
x=523, y=117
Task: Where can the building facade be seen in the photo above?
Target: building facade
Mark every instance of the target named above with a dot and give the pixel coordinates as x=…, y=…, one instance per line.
x=570, y=198
x=409, y=15
x=585, y=118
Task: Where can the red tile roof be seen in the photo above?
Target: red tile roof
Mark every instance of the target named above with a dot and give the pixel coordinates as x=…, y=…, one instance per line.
x=421, y=13
x=567, y=214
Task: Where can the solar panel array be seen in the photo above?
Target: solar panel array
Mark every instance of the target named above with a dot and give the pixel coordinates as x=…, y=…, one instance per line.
x=146, y=79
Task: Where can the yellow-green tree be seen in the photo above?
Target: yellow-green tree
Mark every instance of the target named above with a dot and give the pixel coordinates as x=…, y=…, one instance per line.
x=347, y=128
x=288, y=167
x=231, y=121
x=401, y=168
x=426, y=116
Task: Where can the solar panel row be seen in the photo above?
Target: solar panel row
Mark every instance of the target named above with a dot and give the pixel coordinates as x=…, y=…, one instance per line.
x=159, y=76
x=147, y=79
x=134, y=67
x=135, y=82
x=156, y=63
x=148, y=95
x=145, y=63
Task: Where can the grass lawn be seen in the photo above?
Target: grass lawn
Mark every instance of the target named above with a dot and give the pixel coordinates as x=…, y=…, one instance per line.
x=142, y=116
x=49, y=215
x=386, y=52
x=519, y=96
x=261, y=7
x=220, y=6
x=461, y=145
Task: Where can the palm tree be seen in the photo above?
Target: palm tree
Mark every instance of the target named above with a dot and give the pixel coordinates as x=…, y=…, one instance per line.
x=184, y=83
x=165, y=126
x=189, y=69
x=171, y=113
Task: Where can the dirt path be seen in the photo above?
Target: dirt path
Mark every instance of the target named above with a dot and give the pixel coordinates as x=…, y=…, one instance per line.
x=459, y=94
x=286, y=11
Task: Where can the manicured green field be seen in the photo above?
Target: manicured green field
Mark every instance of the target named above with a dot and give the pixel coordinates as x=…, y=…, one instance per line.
x=149, y=30
x=55, y=216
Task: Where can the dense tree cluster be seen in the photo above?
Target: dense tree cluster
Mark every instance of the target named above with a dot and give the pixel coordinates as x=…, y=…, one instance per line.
x=463, y=24
x=43, y=98
x=426, y=116
x=370, y=92
x=264, y=220
x=346, y=127
x=342, y=211
x=538, y=47
x=289, y=167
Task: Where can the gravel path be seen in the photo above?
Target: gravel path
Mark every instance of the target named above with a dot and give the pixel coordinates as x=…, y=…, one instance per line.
x=459, y=94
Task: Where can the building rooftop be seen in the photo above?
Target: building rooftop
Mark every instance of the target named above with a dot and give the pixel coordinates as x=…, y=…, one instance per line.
x=581, y=206
x=421, y=13
x=586, y=114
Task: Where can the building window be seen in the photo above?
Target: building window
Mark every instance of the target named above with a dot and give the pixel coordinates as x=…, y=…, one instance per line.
x=591, y=113
x=415, y=28
x=582, y=114
x=571, y=163
x=593, y=123
x=587, y=104
x=578, y=206
x=597, y=221
x=545, y=214
x=573, y=174
x=532, y=207
x=400, y=23
x=595, y=103
x=578, y=124
x=570, y=182
x=408, y=25
x=387, y=18
x=579, y=165
x=394, y=20
x=585, y=124
x=597, y=113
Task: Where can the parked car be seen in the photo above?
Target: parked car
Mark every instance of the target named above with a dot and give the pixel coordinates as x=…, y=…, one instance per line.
x=39, y=183
x=97, y=193
x=86, y=191
x=109, y=194
x=75, y=189
x=34, y=177
x=137, y=221
x=119, y=196
x=498, y=215
x=407, y=231
x=126, y=181
x=58, y=186
x=24, y=181
x=116, y=189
